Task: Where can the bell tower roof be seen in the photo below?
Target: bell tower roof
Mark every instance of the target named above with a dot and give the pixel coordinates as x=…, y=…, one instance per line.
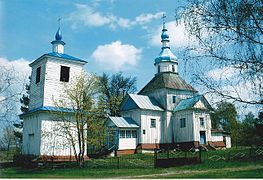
x=165, y=54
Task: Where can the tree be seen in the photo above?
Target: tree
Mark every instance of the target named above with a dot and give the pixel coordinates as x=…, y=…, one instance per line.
x=24, y=100
x=9, y=93
x=225, y=117
x=229, y=36
x=80, y=123
x=248, y=130
x=113, y=90
x=8, y=138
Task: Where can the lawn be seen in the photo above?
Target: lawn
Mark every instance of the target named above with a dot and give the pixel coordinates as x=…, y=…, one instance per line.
x=141, y=166
x=204, y=170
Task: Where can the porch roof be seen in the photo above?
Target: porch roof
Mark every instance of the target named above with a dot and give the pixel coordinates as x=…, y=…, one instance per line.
x=124, y=122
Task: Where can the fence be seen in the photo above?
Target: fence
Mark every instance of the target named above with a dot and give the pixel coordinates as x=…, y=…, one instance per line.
x=234, y=154
x=168, y=158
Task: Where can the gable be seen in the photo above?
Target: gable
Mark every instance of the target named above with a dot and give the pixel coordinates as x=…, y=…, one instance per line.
x=199, y=105
x=128, y=104
x=196, y=102
x=134, y=101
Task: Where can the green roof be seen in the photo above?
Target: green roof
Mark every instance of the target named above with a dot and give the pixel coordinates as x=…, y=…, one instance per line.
x=167, y=80
x=190, y=102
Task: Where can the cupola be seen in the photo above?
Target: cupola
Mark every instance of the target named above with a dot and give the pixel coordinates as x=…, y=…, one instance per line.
x=58, y=44
x=166, y=61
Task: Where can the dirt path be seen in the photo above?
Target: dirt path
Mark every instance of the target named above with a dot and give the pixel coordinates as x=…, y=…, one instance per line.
x=177, y=172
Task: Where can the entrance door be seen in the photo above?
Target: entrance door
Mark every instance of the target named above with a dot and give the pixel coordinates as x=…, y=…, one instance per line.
x=202, y=137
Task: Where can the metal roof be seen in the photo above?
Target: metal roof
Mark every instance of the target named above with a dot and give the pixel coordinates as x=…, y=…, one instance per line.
x=146, y=102
x=187, y=103
x=124, y=122
x=47, y=108
x=166, y=55
x=167, y=80
x=190, y=102
x=64, y=56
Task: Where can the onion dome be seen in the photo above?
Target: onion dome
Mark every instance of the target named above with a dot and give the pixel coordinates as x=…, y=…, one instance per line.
x=165, y=54
x=58, y=36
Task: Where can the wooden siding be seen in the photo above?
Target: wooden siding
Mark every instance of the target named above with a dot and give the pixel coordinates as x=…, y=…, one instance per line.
x=31, y=134
x=127, y=143
x=152, y=135
x=54, y=88
x=207, y=127
x=185, y=134
x=36, y=92
x=180, y=94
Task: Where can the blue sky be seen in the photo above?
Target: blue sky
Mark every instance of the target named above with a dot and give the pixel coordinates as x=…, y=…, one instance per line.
x=112, y=35
x=28, y=27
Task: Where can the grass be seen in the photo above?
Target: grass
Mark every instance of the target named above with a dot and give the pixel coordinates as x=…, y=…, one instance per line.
x=142, y=167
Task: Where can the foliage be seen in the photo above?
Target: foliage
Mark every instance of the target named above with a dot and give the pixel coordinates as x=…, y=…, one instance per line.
x=229, y=35
x=207, y=169
x=83, y=126
x=9, y=92
x=24, y=100
x=113, y=90
x=8, y=138
x=225, y=118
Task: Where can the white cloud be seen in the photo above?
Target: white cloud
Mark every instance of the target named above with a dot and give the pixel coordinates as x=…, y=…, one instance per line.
x=177, y=33
x=19, y=66
x=116, y=56
x=146, y=18
x=222, y=73
x=85, y=15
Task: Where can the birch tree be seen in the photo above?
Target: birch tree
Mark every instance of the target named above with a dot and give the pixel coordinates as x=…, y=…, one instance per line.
x=228, y=36
x=78, y=115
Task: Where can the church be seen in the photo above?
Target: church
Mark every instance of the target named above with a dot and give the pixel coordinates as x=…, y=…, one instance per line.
x=167, y=113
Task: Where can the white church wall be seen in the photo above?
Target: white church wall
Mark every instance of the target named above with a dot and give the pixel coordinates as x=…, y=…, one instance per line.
x=127, y=143
x=166, y=67
x=168, y=127
x=198, y=127
x=54, y=141
x=37, y=89
x=54, y=88
x=179, y=96
x=31, y=134
x=135, y=114
x=228, y=142
x=152, y=134
x=184, y=134
x=217, y=137
x=160, y=96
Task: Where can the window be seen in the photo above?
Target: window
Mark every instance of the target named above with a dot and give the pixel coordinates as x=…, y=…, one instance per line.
x=128, y=134
x=64, y=74
x=159, y=68
x=202, y=122
x=173, y=69
x=38, y=74
x=143, y=131
x=134, y=134
x=122, y=134
x=174, y=99
x=153, y=123
x=182, y=123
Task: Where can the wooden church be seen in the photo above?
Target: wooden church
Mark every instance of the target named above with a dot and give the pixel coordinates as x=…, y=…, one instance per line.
x=166, y=113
